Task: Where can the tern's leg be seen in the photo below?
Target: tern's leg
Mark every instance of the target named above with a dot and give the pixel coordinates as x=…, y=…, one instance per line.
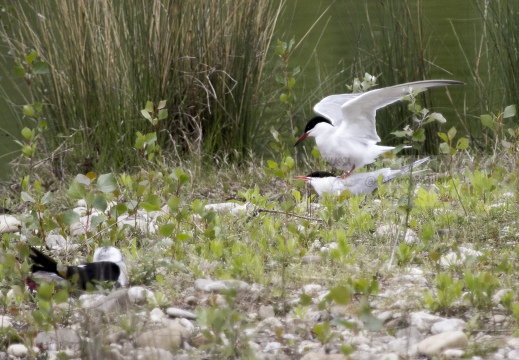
x=344, y=176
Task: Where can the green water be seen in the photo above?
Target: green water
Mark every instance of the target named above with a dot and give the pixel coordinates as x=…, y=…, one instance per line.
x=331, y=46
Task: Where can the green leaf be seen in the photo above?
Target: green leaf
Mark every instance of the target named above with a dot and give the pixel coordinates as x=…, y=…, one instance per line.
x=463, y=143
x=28, y=110
x=61, y=296
x=272, y=164
x=445, y=148
x=305, y=300
x=45, y=291
x=444, y=137
x=100, y=203
x=40, y=68
x=166, y=230
x=296, y=70
x=419, y=135
x=27, y=133
x=451, y=133
x=76, y=190
x=146, y=206
x=291, y=82
x=509, y=111
x=107, y=183
x=289, y=162
x=83, y=179
x=162, y=104
x=19, y=71
x=146, y=114
x=487, y=121
x=31, y=57
x=46, y=198
x=283, y=98
x=28, y=151
x=399, y=133
x=27, y=197
x=340, y=294
x=163, y=114
x=173, y=203
x=70, y=217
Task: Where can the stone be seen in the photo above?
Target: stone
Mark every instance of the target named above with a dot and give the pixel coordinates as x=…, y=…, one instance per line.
x=448, y=325
x=18, y=350
x=513, y=355
x=266, y=311
x=176, y=312
x=453, y=353
x=169, y=338
x=5, y=322
x=156, y=315
x=140, y=295
x=423, y=321
x=436, y=344
x=61, y=338
x=199, y=340
x=191, y=300
x=151, y=353
x=390, y=356
x=117, y=301
x=221, y=285
x=312, y=289
x=311, y=259
x=116, y=337
x=307, y=345
x=456, y=259
x=321, y=356
x=498, y=318
x=9, y=224
x=496, y=298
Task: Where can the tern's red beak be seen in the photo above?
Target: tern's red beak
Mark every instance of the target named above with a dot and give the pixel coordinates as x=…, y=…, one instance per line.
x=304, y=136
x=306, y=179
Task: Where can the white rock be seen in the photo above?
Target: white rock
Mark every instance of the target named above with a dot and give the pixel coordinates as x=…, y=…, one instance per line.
x=390, y=356
x=9, y=224
x=221, y=285
x=448, y=325
x=139, y=295
x=496, y=298
x=513, y=355
x=156, y=315
x=176, y=312
x=498, y=318
x=385, y=315
x=453, y=259
x=273, y=347
x=453, y=353
x=436, y=344
x=233, y=208
x=423, y=321
x=5, y=322
x=411, y=237
x=266, y=311
x=89, y=300
x=312, y=289
x=18, y=350
x=56, y=242
x=307, y=345
x=270, y=322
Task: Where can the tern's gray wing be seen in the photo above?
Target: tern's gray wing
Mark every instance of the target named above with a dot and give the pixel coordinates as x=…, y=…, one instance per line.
x=331, y=106
x=404, y=169
x=359, y=112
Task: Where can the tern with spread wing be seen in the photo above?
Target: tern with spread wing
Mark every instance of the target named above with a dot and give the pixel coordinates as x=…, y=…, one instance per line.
x=358, y=183
x=345, y=131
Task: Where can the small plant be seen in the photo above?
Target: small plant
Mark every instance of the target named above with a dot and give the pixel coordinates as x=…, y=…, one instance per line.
x=446, y=295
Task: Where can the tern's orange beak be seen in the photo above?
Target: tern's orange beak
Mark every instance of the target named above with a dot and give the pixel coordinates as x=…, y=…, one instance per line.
x=304, y=136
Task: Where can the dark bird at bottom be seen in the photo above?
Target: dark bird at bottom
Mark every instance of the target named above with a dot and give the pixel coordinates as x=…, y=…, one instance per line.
x=108, y=265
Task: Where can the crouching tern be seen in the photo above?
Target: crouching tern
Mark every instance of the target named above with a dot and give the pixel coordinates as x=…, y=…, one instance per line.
x=345, y=131
x=108, y=265
x=358, y=183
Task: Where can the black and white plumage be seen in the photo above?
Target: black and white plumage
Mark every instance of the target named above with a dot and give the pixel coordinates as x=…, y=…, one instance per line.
x=358, y=183
x=108, y=265
x=345, y=129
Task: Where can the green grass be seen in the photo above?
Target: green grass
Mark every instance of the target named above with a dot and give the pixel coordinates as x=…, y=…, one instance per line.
x=206, y=59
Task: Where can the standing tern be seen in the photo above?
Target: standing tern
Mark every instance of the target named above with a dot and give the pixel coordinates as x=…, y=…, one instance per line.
x=108, y=265
x=345, y=131
x=358, y=183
